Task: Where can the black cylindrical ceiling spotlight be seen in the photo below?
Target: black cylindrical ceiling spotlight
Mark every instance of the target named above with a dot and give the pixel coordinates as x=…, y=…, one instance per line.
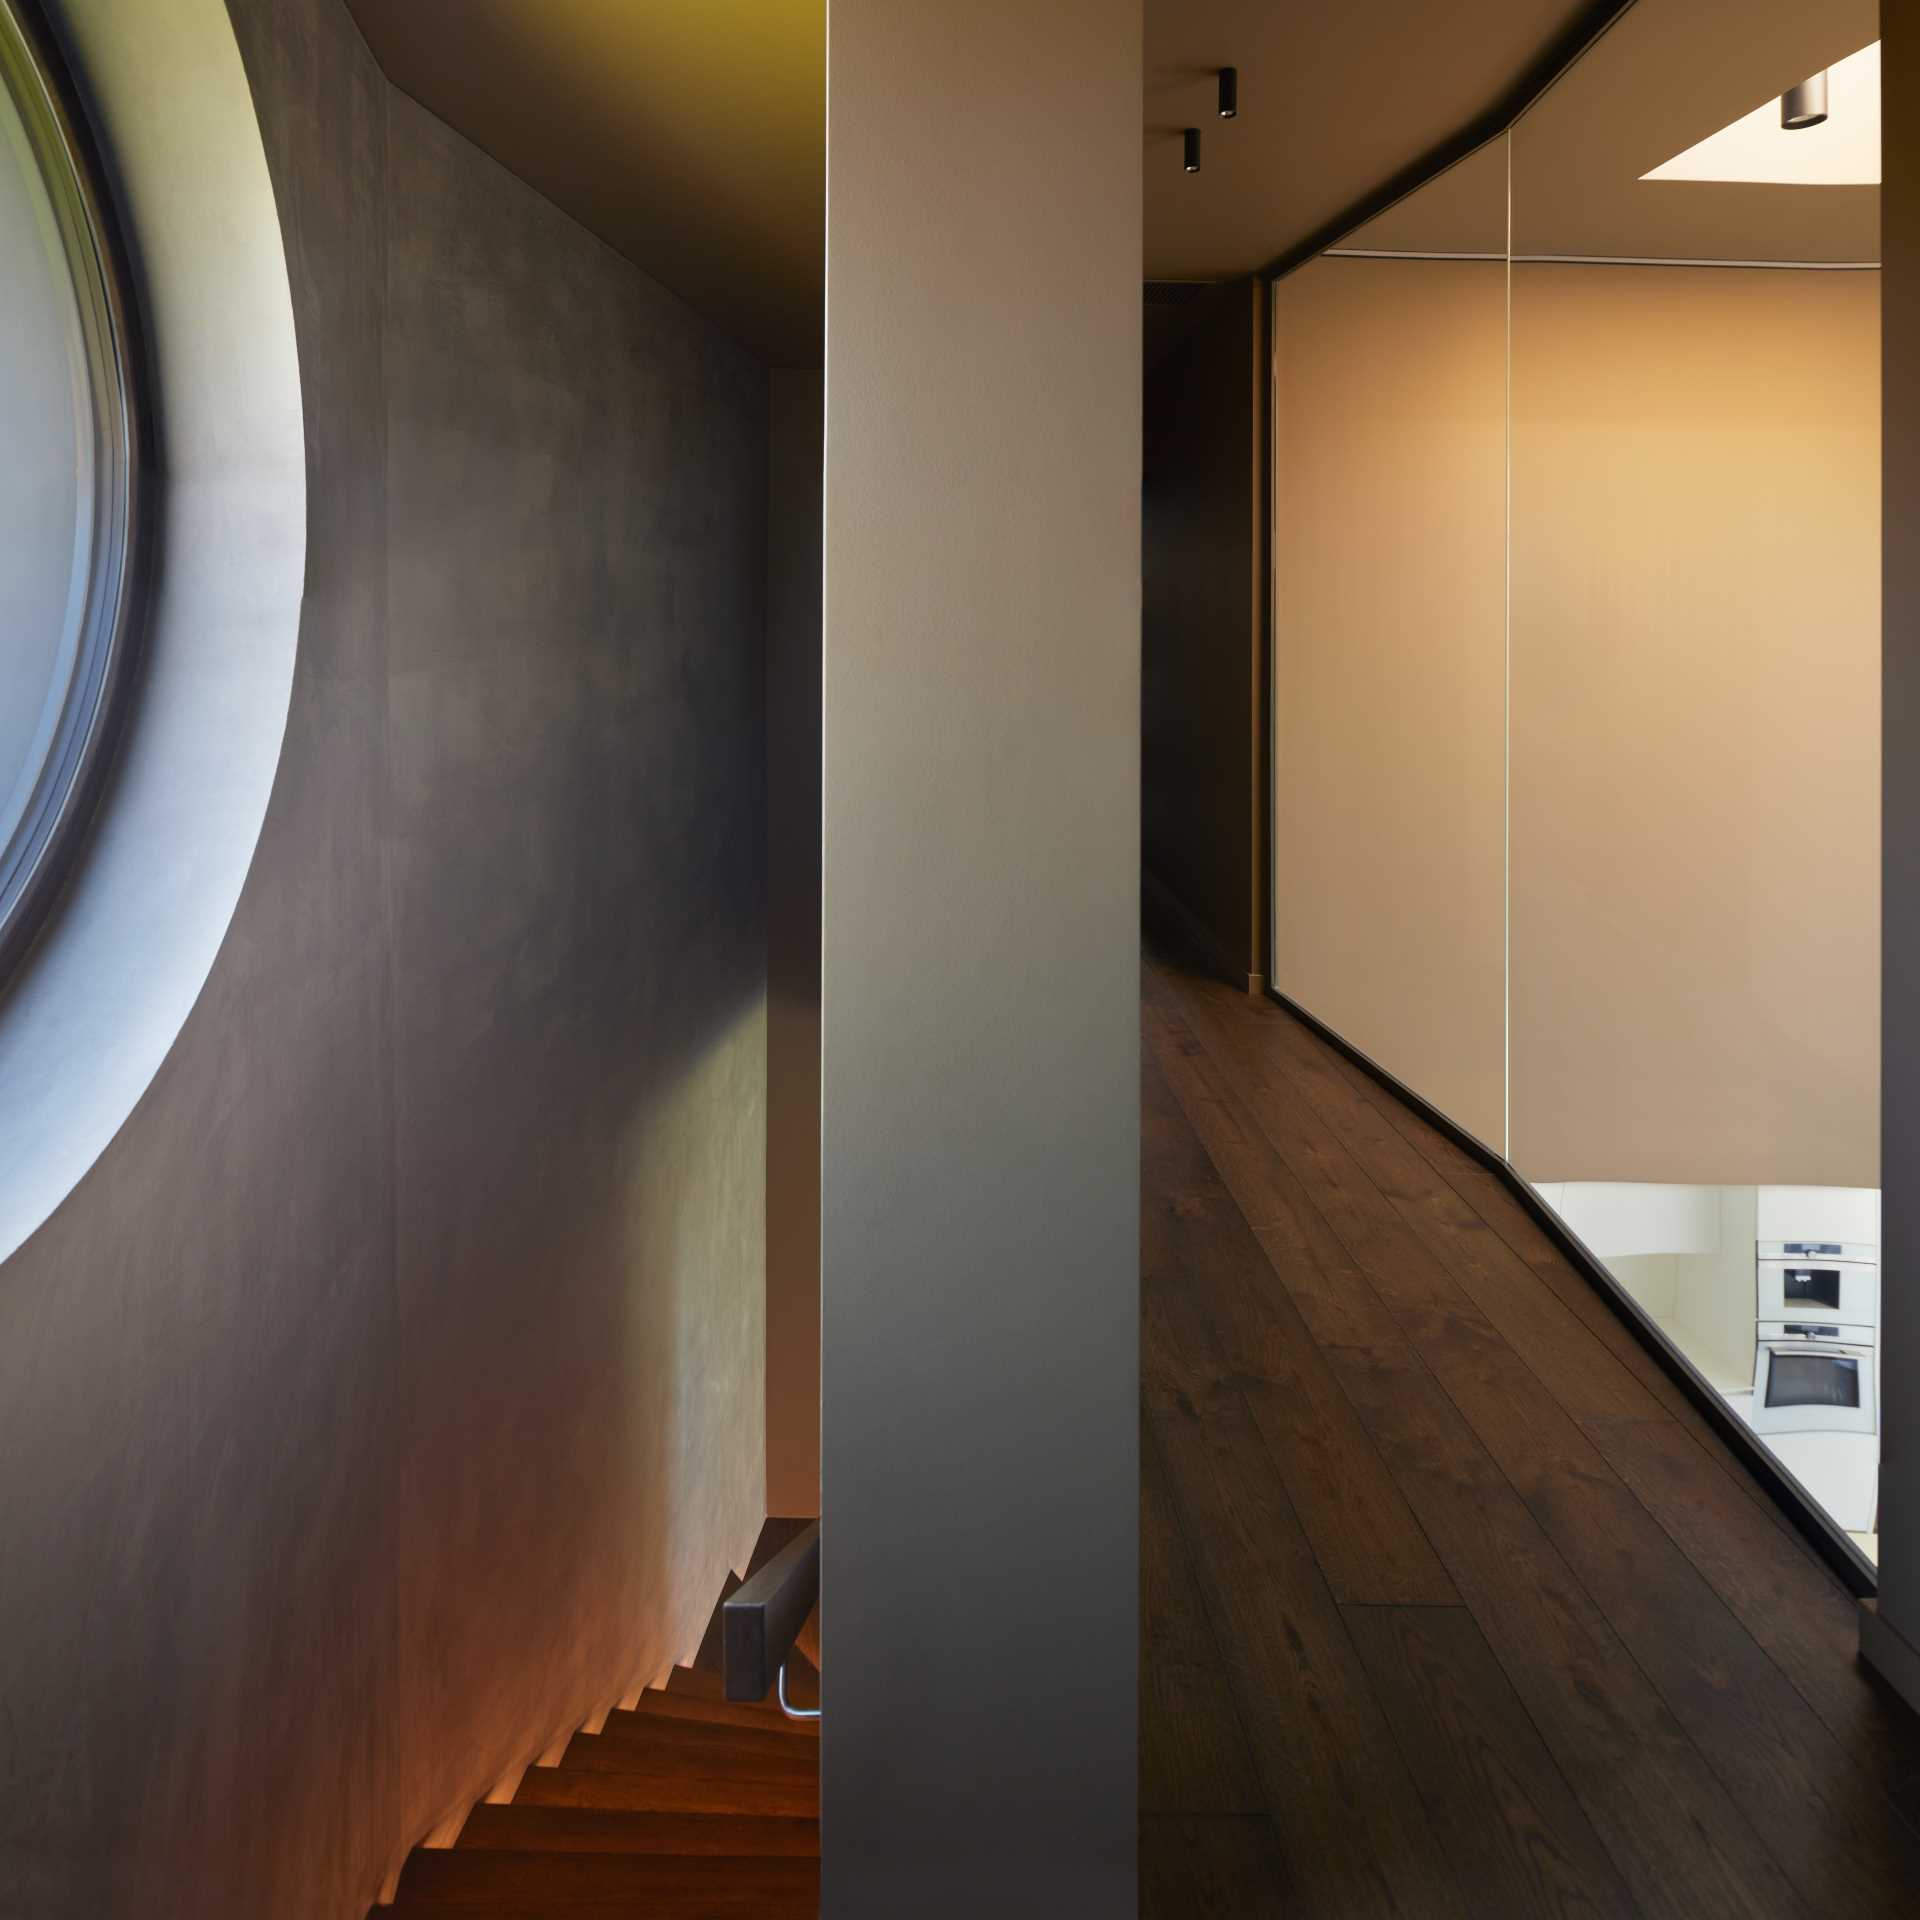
x=1229, y=92
x=1192, y=138
x=1805, y=105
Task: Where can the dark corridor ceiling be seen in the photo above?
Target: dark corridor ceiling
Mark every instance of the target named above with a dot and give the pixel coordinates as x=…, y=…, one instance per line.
x=691, y=134
x=1334, y=100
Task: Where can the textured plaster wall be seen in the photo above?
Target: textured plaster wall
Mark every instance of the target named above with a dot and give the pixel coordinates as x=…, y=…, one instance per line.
x=389, y=1396
x=1389, y=836
x=794, y=435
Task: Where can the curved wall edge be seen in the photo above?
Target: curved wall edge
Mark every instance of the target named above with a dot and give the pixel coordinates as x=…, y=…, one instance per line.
x=98, y=1004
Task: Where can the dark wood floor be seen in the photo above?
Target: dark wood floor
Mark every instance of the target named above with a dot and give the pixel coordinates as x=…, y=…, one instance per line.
x=1453, y=1605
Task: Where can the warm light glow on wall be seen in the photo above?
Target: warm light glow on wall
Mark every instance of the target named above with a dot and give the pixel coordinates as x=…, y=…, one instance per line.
x=1843, y=151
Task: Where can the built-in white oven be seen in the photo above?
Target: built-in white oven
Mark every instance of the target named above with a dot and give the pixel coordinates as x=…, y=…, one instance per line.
x=1814, y=1376
x=1831, y=1282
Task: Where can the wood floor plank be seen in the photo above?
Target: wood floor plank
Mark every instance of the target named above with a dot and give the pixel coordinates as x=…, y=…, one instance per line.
x=1194, y=1757
x=1179, y=1362
x=1817, y=1813
x=1481, y=1189
x=1216, y=1318
x=1369, y=1545
x=1587, y=1371
x=1490, y=1197
x=1509, y=1821
x=1354, y=1835
x=1196, y=1869
x=1795, y=1609
x=1681, y=1844
x=1334, y=1297
x=1671, y=1644
x=1581, y=1370
x=1401, y=1270
x=1365, y=1536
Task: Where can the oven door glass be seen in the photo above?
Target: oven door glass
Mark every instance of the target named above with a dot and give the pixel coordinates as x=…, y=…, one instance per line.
x=1844, y=1292
x=1811, y=1287
x=1813, y=1380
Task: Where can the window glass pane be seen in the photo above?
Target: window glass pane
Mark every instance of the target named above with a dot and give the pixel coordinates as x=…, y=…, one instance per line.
x=1389, y=638
x=1694, y=689
x=65, y=473
x=45, y=480
x=1576, y=677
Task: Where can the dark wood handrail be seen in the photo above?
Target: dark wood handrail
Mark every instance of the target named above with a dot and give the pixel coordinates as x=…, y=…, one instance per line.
x=760, y=1623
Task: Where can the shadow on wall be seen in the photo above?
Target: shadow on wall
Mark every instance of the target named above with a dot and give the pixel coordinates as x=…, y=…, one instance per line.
x=1202, y=603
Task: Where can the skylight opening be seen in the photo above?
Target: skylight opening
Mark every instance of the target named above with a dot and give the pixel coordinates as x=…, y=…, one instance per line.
x=1842, y=151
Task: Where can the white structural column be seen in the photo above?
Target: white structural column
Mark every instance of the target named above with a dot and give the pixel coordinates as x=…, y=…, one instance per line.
x=980, y=957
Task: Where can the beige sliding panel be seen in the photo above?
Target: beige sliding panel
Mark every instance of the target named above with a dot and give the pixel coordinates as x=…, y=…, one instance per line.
x=1695, y=625
x=1389, y=641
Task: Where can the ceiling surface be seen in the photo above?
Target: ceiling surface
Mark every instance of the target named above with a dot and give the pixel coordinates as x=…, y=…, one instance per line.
x=1334, y=100
x=691, y=134
x=1665, y=77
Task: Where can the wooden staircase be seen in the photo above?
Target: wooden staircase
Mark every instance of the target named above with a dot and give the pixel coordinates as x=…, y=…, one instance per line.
x=688, y=1806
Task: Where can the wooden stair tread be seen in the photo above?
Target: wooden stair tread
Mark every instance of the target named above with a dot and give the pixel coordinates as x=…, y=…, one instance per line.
x=692, y=1807
x=691, y=1741
x=701, y=1683
x=665, y=1788
x=720, y=1713
x=527, y=1828
x=560, y=1885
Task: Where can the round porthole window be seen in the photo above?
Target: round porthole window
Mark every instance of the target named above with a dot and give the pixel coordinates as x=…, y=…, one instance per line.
x=68, y=479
